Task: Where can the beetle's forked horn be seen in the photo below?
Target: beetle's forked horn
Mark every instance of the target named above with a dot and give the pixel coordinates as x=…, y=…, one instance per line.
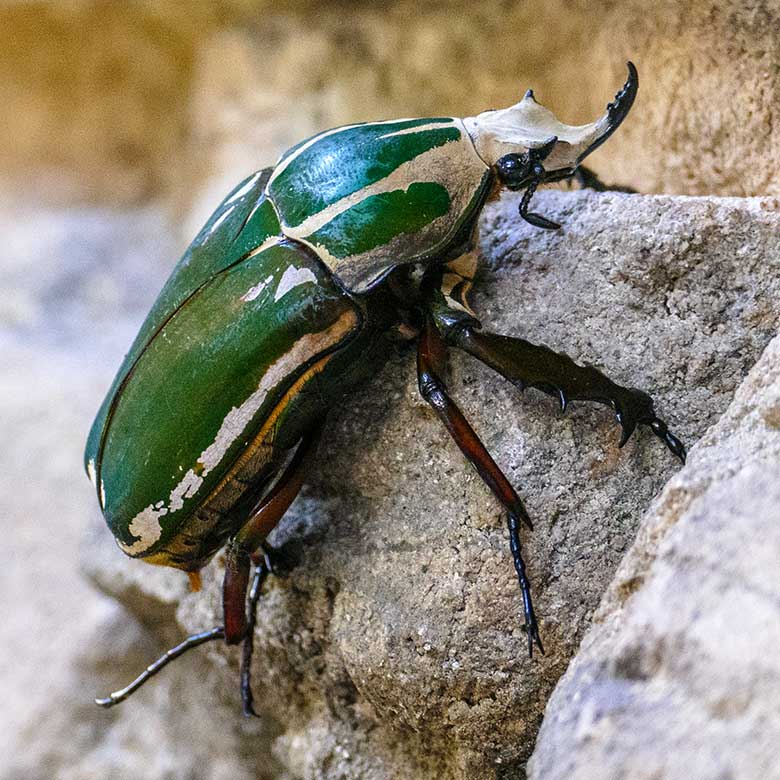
x=160, y=663
x=617, y=110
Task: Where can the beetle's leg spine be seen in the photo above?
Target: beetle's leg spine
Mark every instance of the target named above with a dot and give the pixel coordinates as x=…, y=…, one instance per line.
x=533, y=365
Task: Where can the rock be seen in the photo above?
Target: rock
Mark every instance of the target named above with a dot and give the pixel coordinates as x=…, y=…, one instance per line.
x=394, y=648
x=680, y=675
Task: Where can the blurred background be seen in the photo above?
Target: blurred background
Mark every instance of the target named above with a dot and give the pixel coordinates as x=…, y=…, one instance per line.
x=124, y=124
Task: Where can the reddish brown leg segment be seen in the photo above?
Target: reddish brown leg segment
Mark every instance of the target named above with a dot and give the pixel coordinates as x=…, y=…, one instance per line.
x=431, y=367
x=248, y=544
x=234, y=587
x=246, y=547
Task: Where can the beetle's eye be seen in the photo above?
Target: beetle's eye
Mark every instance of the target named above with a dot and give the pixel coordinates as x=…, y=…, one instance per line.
x=510, y=163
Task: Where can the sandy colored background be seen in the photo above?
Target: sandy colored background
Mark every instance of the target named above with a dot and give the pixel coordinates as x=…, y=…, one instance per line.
x=124, y=123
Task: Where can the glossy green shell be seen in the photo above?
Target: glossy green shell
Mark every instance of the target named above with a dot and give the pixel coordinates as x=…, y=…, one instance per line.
x=243, y=317
x=370, y=197
x=265, y=320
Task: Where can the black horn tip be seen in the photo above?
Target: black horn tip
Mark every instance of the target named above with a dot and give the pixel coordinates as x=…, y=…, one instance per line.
x=625, y=97
x=529, y=93
x=617, y=110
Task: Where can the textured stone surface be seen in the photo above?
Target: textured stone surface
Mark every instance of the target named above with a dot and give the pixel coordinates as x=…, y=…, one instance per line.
x=680, y=676
x=394, y=649
x=110, y=103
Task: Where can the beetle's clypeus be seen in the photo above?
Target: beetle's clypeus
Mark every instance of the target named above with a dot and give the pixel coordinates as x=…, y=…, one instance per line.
x=287, y=299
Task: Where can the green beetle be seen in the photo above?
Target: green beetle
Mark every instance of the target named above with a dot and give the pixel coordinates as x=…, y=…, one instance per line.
x=287, y=299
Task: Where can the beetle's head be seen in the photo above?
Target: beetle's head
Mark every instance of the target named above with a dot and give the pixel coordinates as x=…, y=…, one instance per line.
x=528, y=145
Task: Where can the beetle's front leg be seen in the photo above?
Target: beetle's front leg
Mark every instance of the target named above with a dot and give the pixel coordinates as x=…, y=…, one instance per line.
x=589, y=179
x=533, y=365
x=431, y=367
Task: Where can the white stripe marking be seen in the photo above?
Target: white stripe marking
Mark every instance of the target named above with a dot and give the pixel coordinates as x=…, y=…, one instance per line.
x=260, y=202
x=421, y=168
x=267, y=244
x=243, y=191
x=254, y=292
x=292, y=278
x=222, y=217
x=146, y=524
x=420, y=129
x=282, y=165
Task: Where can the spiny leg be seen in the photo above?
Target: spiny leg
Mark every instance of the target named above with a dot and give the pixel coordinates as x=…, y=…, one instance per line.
x=251, y=541
x=531, y=626
x=533, y=365
x=431, y=366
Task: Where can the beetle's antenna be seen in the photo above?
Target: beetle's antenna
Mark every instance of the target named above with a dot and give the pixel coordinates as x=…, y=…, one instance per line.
x=162, y=661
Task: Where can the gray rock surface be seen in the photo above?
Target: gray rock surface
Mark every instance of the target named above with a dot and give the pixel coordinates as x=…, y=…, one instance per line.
x=394, y=649
x=75, y=286
x=679, y=678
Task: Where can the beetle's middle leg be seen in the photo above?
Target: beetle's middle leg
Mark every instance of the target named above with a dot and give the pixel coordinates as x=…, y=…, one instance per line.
x=431, y=367
x=248, y=546
x=534, y=365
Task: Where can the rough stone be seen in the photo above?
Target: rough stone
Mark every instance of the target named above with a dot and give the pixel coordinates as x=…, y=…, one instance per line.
x=394, y=648
x=680, y=675
x=117, y=103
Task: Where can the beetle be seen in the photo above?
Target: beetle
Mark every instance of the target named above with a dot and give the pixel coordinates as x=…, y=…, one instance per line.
x=287, y=299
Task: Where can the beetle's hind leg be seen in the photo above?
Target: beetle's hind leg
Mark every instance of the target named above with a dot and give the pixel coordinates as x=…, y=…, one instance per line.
x=240, y=609
x=169, y=655
x=431, y=367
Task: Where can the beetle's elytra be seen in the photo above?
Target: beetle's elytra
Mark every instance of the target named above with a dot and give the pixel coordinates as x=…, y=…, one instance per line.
x=288, y=298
